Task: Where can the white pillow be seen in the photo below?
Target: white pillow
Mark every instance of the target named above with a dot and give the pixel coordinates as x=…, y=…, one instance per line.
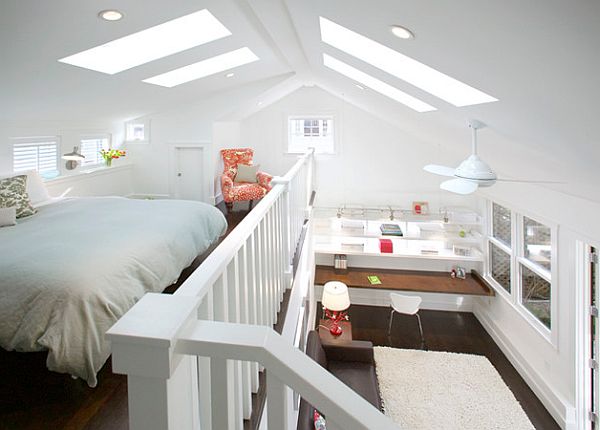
x=246, y=173
x=35, y=186
x=8, y=216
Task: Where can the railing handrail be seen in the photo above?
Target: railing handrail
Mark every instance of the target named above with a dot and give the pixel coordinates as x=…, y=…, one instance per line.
x=342, y=405
x=201, y=280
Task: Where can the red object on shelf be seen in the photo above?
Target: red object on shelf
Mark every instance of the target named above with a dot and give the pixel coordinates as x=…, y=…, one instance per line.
x=386, y=246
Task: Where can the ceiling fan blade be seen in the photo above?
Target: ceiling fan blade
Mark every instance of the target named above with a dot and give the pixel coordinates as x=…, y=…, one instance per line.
x=439, y=170
x=529, y=181
x=459, y=186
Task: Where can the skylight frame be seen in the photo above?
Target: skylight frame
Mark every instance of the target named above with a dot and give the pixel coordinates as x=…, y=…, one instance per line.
x=204, y=68
x=151, y=44
x=376, y=84
x=401, y=66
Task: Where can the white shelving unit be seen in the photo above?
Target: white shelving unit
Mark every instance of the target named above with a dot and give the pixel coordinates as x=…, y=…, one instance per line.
x=425, y=236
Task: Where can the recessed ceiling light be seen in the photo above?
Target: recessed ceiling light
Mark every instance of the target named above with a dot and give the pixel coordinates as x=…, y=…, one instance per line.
x=204, y=68
x=376, y=85
x=402, y=32
x=396, y=64
x=110, y=15
x=359, y=86
x=259, y=104
x=147, y=45
x=230, y=75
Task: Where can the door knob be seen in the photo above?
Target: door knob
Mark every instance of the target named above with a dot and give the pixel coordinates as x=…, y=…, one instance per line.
x=179, y=174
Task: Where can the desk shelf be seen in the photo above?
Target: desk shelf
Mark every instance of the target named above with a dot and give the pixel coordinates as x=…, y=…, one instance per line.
x=407, y=280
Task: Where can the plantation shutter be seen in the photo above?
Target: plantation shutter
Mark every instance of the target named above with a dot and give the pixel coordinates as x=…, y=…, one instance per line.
x=40, y=155
x=90, y=149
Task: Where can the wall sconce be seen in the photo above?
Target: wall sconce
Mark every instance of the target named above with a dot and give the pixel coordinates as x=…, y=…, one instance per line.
x=73, y=158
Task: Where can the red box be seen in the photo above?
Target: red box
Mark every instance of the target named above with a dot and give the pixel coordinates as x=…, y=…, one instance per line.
x=386, y=246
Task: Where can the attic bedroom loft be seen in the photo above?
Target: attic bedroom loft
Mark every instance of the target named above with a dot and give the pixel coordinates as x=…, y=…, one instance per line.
x=297, y=214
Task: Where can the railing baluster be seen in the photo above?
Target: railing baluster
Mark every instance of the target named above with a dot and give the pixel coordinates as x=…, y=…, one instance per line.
x=265, y=273
x=205, y=312
x=252, y=300
x=233, y=291
x=222, y=380
x=277, y=413
x=244, y=319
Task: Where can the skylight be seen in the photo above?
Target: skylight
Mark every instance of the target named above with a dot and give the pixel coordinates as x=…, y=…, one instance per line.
x=376, y=85
x=204, y=68
x=401, y=66
x=153, y=43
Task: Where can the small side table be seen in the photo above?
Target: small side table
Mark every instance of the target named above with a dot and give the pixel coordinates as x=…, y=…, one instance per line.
x=328, y=339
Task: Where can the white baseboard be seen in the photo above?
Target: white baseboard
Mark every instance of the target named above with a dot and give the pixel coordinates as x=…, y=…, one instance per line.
x=431, y=301
x=559, y=408
x=148, y=196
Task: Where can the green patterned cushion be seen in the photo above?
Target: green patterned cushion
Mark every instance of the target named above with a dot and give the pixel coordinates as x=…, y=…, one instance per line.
x=12, y=193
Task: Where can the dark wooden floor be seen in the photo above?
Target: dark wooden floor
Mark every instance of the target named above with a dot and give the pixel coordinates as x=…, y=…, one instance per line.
x=452, y=332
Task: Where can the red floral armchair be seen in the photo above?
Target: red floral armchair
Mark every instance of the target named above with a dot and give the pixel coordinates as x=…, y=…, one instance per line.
x=241, y=191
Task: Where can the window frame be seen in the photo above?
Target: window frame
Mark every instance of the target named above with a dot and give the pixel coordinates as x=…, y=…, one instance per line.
x=518, y=260
x=37, y=141
x=145, y=140
x=318, y=115
x=83, y=137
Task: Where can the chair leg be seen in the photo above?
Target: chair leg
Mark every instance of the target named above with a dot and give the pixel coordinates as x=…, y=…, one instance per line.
x=421, y=330
x=250, y=205
x=229, y=206
x=391, y=320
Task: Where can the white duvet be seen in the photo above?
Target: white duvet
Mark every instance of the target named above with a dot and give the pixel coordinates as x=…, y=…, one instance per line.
x=70, y=271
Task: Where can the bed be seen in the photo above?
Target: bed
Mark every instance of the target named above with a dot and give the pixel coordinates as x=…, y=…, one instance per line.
x=70, y=271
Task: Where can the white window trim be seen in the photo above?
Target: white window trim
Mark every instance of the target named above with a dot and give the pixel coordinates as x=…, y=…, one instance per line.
x=91, y=137
x=146, y=140
x=517, y=259
x=336, y=117
x=33, y=140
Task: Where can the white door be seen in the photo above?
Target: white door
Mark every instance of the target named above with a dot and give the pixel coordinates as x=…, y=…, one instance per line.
x=189, y=165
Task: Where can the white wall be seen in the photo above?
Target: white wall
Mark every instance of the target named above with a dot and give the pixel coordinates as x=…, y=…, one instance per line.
x=376, y=164
x=549, y=369
x=114, y=181
x=188, y=124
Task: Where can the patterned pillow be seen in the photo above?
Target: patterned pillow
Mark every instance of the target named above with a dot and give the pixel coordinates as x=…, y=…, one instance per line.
x=12, y=193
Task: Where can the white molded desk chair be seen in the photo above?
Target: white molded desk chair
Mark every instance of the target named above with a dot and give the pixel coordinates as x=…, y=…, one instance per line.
x=408, y=305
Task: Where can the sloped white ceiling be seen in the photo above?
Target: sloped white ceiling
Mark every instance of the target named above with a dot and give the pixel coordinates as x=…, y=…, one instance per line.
x=35, y=34
x=540, y=59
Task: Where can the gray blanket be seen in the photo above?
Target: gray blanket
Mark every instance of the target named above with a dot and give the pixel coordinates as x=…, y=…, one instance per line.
x=70, y=271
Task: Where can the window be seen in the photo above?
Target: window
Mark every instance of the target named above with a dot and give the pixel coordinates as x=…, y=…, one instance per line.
x=39, y=154
x=499, y=247
x=500, y=266
x=535, y=263
x=137, y=131
x=519, y=263
x=311, y=132
x=90, y=148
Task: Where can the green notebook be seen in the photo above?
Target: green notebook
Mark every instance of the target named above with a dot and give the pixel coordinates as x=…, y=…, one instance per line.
x=374, y=280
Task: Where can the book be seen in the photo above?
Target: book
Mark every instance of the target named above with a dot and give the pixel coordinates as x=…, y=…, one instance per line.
x=374, y=280
x=391, y=229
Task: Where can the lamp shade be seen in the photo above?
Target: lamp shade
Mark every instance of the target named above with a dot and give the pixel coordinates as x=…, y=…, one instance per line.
x=335, y=296
x=74, y=156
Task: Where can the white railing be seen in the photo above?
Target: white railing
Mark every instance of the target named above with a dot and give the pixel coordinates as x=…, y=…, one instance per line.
x=193, y=359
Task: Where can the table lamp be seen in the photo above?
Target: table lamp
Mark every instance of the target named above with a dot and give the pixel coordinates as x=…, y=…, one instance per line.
x=335, y=301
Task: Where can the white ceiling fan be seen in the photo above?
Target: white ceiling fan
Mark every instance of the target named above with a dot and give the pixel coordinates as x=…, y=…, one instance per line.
x=472, y=173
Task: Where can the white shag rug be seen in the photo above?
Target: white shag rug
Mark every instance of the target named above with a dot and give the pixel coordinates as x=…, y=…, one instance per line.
x=428, y=390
